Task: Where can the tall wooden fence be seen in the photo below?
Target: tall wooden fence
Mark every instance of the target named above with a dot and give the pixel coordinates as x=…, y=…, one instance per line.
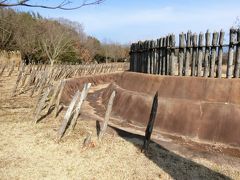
x=197, y=55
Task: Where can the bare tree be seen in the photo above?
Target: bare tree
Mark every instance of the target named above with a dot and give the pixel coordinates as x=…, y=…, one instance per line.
x=63, y=4
x=55, y=41
x=6, y=30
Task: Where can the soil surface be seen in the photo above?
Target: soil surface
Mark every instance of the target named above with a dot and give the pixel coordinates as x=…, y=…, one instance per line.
x=29, y=151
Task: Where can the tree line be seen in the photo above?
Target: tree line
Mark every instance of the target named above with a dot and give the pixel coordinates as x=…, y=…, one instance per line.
x=42, y=40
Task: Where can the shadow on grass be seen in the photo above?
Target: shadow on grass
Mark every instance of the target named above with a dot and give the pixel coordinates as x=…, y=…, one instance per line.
x=176, y=166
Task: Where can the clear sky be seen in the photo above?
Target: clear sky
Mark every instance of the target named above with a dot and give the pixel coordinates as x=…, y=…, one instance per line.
x=127, y=21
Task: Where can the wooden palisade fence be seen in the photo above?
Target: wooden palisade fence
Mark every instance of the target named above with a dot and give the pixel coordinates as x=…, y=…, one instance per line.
x=197, y=55
x=47, y=83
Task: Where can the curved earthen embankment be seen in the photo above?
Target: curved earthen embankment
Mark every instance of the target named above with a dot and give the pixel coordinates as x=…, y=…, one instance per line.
x=77, y=83
x=203, y=108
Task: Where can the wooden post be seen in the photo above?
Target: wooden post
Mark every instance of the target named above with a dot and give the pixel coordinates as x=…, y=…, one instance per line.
x=151, y=57
x=140, y=58
x=24, y=77
x=145, y=64
x=220, y=54
x=12, y=68
x=200, y=55
x=237, y=65
x=172, y=56
x=161, y=56
x=131, y=57
x=155, y=57
x=181, y=54
x=2, y=70
x=54, y=96
x=67, y=117
x=137, y=57
x=207, y=54
x=194, y=54
x=41, y=104
x=150, y=125
x=148, y=58
x=31, y=78
x=188, y=53
x=59, y=97
x=164, y=56
x=107, y=115
x=79, y=105
x=214, y=54
x=18, y=79
x=230, y=54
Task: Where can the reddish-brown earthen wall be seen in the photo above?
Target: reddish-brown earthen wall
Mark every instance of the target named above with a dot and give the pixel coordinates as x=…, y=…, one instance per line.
x=204, y=108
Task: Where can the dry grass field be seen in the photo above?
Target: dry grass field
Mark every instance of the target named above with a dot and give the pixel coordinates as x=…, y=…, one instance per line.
x=29, y=151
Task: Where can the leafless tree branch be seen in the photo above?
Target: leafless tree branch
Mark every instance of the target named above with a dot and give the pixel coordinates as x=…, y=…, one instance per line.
x=64, y=5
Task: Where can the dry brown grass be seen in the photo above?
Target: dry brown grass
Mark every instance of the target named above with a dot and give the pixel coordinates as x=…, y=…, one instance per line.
x=29, y=151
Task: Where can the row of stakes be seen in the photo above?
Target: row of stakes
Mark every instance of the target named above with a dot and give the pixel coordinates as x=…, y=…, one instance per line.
x=49, y=100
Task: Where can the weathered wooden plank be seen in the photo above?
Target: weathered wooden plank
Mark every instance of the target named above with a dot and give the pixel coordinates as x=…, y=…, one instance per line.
x=155, y=57
x=188, y=53
x=207, y=53
x=220, y=54
x=18, y=79
x=194, y=54
x=67, y=117
x=237, y=64
x=160, y=56
x=181, y=54
x=79, y=105
x=148, y=58
x=54, y=96
x=230, y=54
x=214, y=54
x=151, y=57
x=12, y=68
x=41, y=104
x=172, y=56
x=168, y=52
x=200, y=55
x=164, y=56
x=107, y=115
x=59, y=97
x=2, y=70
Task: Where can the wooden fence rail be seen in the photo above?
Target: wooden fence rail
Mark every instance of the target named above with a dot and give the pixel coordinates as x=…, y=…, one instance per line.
x=199, y=55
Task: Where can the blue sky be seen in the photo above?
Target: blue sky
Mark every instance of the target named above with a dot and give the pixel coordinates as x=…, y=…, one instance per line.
x=127, y=21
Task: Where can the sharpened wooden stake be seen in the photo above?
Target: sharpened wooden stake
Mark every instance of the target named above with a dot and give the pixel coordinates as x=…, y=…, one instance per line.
x=18, y=79
x=107, y=115
x=200, y=55
x=181, y=54
x=220, y=54
x=54, y=96
x=150, y=125
x=3, y=68
x=188, y=53
x=214, y=54
x=79, y=105
x=230, y=54
x=67, y=117
x=194, y=54
x=237, y=63
x=59, y=98
x=207, y=54
x=12, y=69
x=41, y=104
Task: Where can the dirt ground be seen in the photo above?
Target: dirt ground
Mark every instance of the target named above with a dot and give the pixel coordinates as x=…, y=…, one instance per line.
x=29, y=151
